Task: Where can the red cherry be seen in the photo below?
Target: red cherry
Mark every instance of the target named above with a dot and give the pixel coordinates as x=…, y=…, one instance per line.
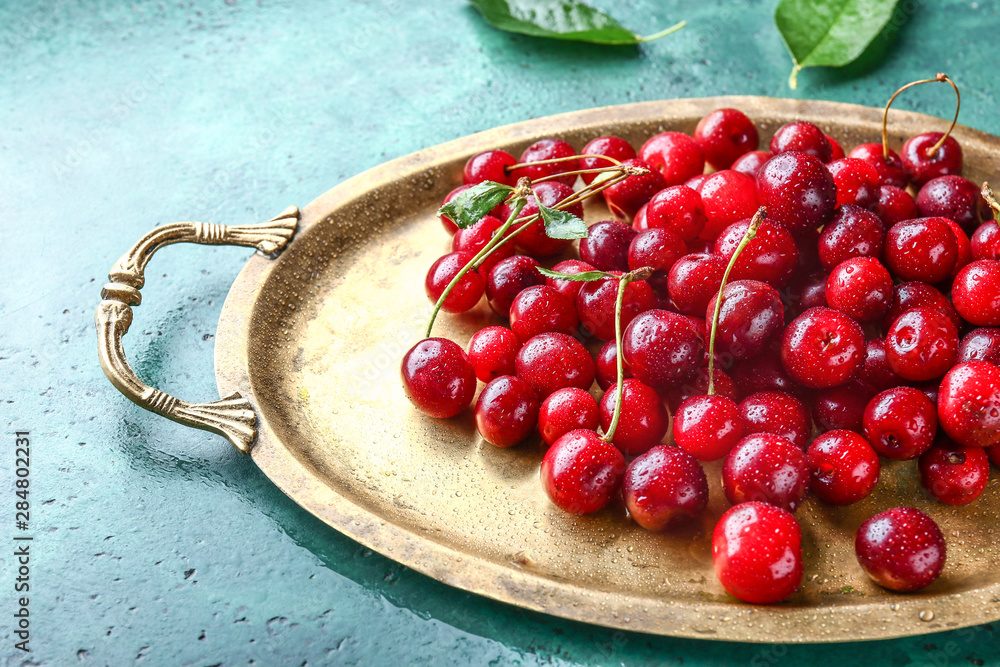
x=568, y=288
x=465, y=295
x=506, y=412
x=901, y=549
x=677, y=208
x=952, y=474
x=776, y=412
x=964, y=247
x=727, y=197
x=976, y=293
x=534, y=241
x=449, y=224
x=891, y=170
x=853, y=232
x=663, y=485
x=986, y=241
x=566, y=410
x=492, y=351
x=607, y=365
x=581, y=473
x=659, y=249
x=844, y=468
x=858, y=182
x=921, y=166
x=695, y=182
x=823, y=347
x=489, y=166
x=861, y=288
x=763, y=373
x=507, y=279
x=662, y=348
x=951, y=197
x=921, y=249
x=675, y=155
x=876, y=372
x=982, y=344
x=969, y=404
x=614, y=147
x=836, y=150
x=841, y=407
x=770, y=257
x=767, y=468
x=751, y=316
x=798, y=192
x=994, y=454
x=624, y=199
x=551, y=361
x=707, y=427
x=895, y=205
x=900, y=423
x=541, y=309
x=908, y=296
x=606, y=246
x=595, y=305
x=802, y=137
x=438, y=378
x=724, y=135
x=473, y=239
x=694, y=280
x=643, y=420
x=698, y=386
x=751, y=163
x=757, y=553
x=547, y=149
x=812, y=294
x=922, y=344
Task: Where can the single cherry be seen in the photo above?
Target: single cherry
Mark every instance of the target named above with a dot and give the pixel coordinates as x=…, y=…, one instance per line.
x=438, y=378
x=823, y=347
x=707, y=427
x=982, y=344
x=922, y=165
x=548, y=149
x=658, y=249
x=766, y=468
x=922, y=249
x=568, y=288
x=506, y=412
x=643, y=420
x=776, y=412
x=876, y=373
x=565, y=410
x=727, y=196
x=976, y=293
x=693, y=280
x=581, y=473
x=613, y=147
x=489, y=166
x=751, y=163
x=951, y=197
x=607, y=365
x=492, y=351
x=750, y=317
x=595, y=304
x=466, y=293
x=507, y=279
x=624, y=199
x=858, y=182
x=901, y=549
x=551, y=361
x=922, y=344
x=541, y=309
x=853, y=232
x=663, y=485
x=891, y=170
x=843, y=466
x=953, y=474
x=663, y=348
x=724, y=135
x=985, y=243
x=606, y=246
x=802, y=137
x=770, y=257
x=473, y=239
x=969, y=404
x=842, y=407
x=798, y=191
x=900, y=423
x=678, y=209
x=895, y=205
x=675, y=155
x=861, y=288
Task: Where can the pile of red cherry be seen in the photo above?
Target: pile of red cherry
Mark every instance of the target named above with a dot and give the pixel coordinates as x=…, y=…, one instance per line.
x=839, y=302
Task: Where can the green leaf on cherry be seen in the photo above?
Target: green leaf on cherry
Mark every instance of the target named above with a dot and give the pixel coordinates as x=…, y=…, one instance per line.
x=561, y=19
x=583, y=277
x=469, y=206
x=562, y=224
x=829, y=33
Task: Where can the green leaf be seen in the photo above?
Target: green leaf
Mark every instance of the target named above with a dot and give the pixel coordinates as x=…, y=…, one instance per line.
x=829, y=33
x=561, y=19
x=585, y=277
x=562, y=224
x=469, y=206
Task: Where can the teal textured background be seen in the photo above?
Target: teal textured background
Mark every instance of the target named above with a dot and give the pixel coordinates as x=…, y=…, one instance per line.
x=160, y=544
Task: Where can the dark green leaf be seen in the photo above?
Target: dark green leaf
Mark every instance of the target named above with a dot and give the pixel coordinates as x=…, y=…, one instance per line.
x=562, y=224
x=829, y=33
x=560, y=19
x=585, y=277
x=469, y=206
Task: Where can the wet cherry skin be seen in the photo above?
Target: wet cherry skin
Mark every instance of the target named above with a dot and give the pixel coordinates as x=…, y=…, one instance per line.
x=951, y=197
x=891, y=170
x=901, y=549
x=533, y=241
x=767, y=468
x=770, y=257
x=923, y=249
x=776, y=412
x=861, y=288
x=982, y=344
x=607, y=365
x=969, y=404
x=595, y=305
x=757, y=552
x=473, y=239
x=895, y=205
x=900, y=423
x=853, y=232
x=581, y=473
x=843, y=466
x=764, y=373
x=507, y=411
x=693, y=280
x=953, y=474
x=802, y=137
x=489, y=166
x=724, y=135
x=727, y=196
x=626, y=198
x=465, y=295
x=698, y=386
x=751, y=162
x=675, y=155
x=976, y=293
x=876, y=372
x=964, y=247
x=541, y=309
x=663, y=348
x=568, y=288
x=822, y=348
x=438, y=378
x=922, y=344
x=841, y=407
x=551, y=361
x=857, y=182
x=663, y=485
x=836, y=150
x=677, y=208
x=916, y=294
x=643, y=421
x=798, y=191
x=986, y=241
x=751, y=316
x=606, y=246
x=922, y=167
x=565, y=410
x=659, y=249
x=507, y=279
x=707, y=427
x=614, y=147
x=492, y=351
x=547, y=149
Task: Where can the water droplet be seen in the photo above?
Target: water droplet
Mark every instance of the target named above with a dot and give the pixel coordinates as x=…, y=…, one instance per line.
x=926, y=615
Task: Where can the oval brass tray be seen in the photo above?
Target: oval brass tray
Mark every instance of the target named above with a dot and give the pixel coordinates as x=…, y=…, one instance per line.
x=307, y=357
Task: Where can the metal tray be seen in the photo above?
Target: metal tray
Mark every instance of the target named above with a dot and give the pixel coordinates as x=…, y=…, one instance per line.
x=307, y=356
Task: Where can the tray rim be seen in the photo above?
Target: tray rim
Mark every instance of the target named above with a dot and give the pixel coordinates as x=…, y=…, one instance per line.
x=506, y=583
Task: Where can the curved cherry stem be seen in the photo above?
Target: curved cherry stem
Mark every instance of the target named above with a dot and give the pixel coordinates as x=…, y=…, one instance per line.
x=747, y=237
x=623, y=282
x=940, y=78
x=557, y=160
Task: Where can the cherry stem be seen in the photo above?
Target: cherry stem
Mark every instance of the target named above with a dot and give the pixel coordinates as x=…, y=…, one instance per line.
x=663, y=33
x=991, y=199
x=557, y=160
x=751, y=232
x=639, y=274
x=942, y=78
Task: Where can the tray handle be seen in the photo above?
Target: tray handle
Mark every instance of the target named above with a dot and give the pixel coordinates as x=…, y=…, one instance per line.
x=230, y=416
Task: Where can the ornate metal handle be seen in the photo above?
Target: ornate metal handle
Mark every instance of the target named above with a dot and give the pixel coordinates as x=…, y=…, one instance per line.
x=230, y=416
